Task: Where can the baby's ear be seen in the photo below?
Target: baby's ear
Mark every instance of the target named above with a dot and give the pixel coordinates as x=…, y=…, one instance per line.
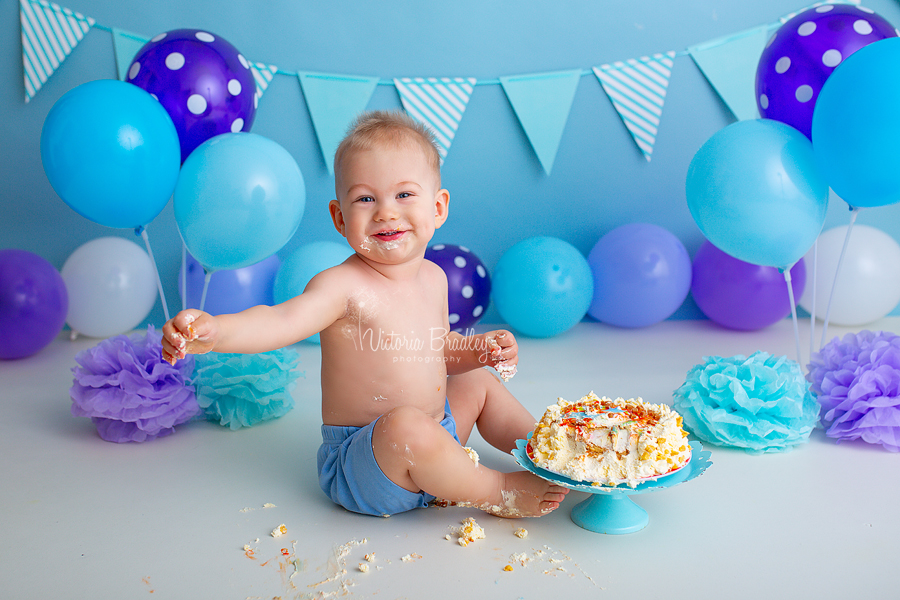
x=441, y=206
x=337, y=217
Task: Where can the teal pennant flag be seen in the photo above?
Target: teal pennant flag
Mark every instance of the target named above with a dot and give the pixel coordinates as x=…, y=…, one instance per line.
x=542, y=102
x=729, y=64
x=126, y=46
x=333, y=102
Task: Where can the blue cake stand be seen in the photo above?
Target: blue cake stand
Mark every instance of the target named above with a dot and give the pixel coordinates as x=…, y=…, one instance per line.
x=609, y=508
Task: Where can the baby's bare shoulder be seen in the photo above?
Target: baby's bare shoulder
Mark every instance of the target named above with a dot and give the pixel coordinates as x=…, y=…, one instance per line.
x=433, y=273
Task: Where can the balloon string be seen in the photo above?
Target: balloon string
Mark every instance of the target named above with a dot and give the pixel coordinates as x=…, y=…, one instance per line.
x=853, y=212
x=184, y=289
x=787, y=280
x=162, y=294
x=206, y=278
x=812, y=309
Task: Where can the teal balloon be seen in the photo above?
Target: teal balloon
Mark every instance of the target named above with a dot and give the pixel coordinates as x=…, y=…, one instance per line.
x=111, y=152
x=755, y=192
x=239, y=199
x=542, y=286
x=856, y=126
x=302, y=265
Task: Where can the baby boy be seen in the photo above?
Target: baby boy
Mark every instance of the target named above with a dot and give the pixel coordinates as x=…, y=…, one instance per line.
x=400, y=391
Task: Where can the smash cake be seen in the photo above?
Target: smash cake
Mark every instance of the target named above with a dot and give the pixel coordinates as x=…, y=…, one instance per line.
x=608, y=442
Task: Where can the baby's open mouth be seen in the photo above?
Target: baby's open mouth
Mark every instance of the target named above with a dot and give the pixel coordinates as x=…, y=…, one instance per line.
x=388, y=235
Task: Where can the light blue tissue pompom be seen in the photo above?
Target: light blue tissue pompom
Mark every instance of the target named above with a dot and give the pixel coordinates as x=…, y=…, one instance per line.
x=761, y=403
x=241, y=390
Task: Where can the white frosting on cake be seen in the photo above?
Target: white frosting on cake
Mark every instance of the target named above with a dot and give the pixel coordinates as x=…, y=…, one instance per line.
x=604, y=441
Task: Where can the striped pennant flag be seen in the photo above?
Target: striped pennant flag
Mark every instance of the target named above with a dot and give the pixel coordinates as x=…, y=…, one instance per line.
x=438, y=103
x=637, y=89
x=49, y=34
x=263, y=75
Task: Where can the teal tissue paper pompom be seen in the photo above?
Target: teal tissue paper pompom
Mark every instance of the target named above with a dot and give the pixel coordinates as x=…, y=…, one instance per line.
x=760, y=403
x=241, y=390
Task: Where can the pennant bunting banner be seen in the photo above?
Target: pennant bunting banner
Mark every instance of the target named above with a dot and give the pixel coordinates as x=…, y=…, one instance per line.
x=637, y=89
x=729, y=64
x=438, y=103
x=542, y=102
x=333, y=102
x=126, y=46
x=49, y=34
x=263, y=75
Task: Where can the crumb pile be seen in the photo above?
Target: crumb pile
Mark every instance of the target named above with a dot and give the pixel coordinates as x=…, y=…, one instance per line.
x=468, y=532
x=608, y=442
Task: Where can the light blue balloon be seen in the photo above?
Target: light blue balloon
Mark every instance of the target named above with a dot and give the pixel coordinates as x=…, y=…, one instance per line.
x=111, y=152
x=305, y=263
x=856, y=126
x=642, y=274
x=755, y=192
x=542, y=286
x=239, y=199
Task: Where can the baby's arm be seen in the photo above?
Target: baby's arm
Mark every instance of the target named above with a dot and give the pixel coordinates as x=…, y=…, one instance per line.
x=259, y=328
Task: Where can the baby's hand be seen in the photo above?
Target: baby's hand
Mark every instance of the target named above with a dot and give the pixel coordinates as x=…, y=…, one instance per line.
x=190, y=331
x=502, y=353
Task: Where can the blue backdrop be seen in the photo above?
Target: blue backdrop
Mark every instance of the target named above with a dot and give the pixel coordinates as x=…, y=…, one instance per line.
x=499, y=192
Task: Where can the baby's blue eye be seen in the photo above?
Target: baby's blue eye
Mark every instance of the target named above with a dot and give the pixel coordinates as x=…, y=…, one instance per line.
x=366, y=199
x=404, y=195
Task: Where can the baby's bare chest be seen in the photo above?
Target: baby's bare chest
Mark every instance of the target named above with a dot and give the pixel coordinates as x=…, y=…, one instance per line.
x=403, y=320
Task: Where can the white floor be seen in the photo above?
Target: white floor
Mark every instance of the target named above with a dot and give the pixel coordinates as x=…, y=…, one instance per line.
x=80, y=517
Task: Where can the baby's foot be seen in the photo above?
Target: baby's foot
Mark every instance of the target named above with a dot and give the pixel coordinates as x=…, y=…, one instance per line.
x=525, y=495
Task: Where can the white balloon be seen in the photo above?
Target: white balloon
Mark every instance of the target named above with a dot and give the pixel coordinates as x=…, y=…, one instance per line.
x=868, y=286
x=112, y=287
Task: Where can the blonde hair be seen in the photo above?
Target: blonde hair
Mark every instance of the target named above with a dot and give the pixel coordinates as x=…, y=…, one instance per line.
x=388, y=128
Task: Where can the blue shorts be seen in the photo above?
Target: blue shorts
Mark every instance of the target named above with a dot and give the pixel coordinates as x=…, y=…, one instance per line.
x=350, y=476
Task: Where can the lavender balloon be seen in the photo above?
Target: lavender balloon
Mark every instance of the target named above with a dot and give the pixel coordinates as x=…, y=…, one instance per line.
x=740, y=295
x=468, y=283
x=230, y=290
x=201, y=80
x=803, y=53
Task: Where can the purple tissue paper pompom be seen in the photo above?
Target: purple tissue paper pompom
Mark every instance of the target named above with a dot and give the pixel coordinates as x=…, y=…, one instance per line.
x=857, y=381
x=129, y=392
x=760, y=403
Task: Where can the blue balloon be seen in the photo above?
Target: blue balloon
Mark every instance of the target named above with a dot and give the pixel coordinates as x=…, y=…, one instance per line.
x=305, y=263
x=111, y=152
x=755, y=191
x=542, y=286
x=642, y=274
x=856, y=126
x=230, y=290
x=239, y=199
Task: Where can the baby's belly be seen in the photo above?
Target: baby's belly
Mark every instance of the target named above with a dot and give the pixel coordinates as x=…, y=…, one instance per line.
x=358, y=396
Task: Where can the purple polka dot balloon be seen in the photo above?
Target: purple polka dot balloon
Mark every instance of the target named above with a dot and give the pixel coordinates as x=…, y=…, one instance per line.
x=803, y=53
x=468, y=283
x=201, y=80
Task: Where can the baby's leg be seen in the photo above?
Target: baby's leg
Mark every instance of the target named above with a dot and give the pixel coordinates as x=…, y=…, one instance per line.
x=478, y=397
x=417, y=453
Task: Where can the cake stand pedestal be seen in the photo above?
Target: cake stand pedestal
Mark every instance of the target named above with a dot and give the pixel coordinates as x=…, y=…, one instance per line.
x=609, y=509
